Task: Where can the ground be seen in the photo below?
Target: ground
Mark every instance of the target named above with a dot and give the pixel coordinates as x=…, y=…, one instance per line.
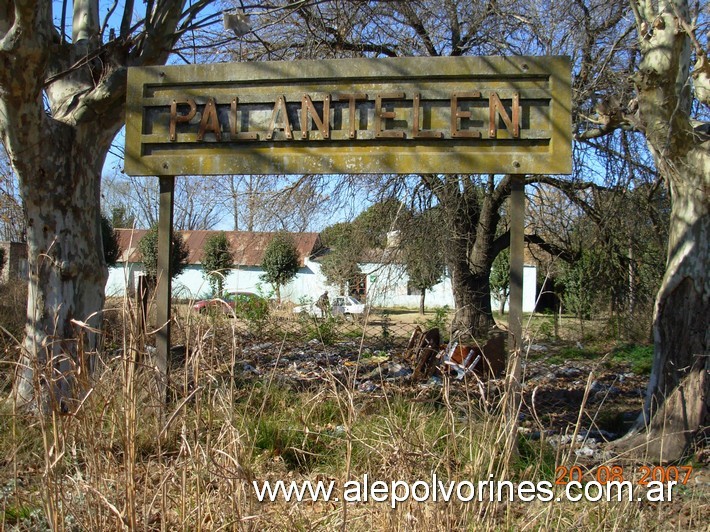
x=277, y=397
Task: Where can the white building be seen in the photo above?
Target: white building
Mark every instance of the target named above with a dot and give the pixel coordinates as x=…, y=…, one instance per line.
x=248, y=250
x=388, y=286
x=383, y=283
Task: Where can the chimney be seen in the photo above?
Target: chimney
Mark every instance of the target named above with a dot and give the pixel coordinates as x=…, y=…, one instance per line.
x=393, y=239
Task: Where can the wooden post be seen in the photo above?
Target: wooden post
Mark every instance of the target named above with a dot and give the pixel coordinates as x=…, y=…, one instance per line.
x=517, y=249
x=164, y=281
x=515, y=314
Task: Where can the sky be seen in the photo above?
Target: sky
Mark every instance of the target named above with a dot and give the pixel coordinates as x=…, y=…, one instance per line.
x=114, y=162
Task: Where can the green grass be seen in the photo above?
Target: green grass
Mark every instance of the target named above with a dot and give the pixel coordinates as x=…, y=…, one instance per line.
x=575, y=353
x=572, y=353
x=638, y=357
x=14, y=515
x=536, y=455
x=299, y=428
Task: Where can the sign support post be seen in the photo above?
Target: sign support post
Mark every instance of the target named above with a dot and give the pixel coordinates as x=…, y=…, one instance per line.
x=164, y=282
x=515, y=314
x=517, y=248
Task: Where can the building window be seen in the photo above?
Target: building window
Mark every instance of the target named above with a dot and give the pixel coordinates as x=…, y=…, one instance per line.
x=358, y=288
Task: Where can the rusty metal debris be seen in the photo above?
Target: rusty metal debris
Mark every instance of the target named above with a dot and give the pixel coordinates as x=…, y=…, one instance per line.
x=422, y=351
x=487, y=361
x=427, y=356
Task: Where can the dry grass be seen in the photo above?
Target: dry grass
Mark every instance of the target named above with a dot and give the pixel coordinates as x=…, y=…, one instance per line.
x=123, y=460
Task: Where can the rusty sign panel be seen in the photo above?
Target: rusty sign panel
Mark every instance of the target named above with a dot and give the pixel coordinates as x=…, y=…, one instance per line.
x=398, y=115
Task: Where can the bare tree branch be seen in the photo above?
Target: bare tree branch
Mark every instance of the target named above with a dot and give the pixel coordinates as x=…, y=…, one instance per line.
x=109, y=13
x=503, y=242
x=419, y=28
x=156, y=42
x=126, y=19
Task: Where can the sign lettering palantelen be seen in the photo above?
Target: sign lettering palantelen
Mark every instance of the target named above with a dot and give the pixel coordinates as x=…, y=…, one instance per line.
x=400, y=115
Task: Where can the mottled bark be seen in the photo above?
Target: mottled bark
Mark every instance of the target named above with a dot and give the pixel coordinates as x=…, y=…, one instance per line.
x=61, y=105
x=679, y=388
x=678, y=394
x=67, y=273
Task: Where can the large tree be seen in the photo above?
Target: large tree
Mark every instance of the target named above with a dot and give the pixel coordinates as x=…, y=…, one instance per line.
x=470, y=204
x=471, y=207
x=645, y=74
x=61, y=105
x=671, y=84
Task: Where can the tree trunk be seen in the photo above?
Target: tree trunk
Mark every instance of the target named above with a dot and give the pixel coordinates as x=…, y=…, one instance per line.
x=421, y=302
x=67, y=272
x=472, y=222
x=632, y=281
x=678, y=394
x=472, y=296
x=61, y=105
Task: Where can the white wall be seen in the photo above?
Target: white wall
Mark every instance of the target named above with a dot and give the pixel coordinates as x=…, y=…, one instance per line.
x=191, y=284
x=386, y=285
x=120, y=276
x=529, y=291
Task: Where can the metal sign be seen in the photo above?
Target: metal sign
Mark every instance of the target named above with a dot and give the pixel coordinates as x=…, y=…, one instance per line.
x=398, y=115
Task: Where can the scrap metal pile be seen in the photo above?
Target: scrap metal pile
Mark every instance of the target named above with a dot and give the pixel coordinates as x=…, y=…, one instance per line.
x=427, y=355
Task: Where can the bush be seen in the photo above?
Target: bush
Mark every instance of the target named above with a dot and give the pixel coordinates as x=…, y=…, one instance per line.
x=148, y=247
x=252, y=309
x=281, y=262
x=439, y=320
x=217, y=261
x=109, y=239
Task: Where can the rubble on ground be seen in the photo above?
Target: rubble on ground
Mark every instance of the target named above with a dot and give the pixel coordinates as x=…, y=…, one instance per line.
x=553, y=390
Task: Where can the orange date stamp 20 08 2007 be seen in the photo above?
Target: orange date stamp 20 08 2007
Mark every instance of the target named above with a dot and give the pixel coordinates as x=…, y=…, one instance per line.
x=641, y=475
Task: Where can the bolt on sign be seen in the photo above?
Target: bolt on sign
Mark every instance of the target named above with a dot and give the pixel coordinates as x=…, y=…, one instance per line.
x=394, y=115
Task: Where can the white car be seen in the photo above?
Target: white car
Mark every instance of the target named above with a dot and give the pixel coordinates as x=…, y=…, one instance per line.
x=347, y=305
x=339, y=305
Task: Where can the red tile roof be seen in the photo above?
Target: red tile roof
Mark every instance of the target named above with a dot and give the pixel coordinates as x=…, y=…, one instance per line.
x=248, y=247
